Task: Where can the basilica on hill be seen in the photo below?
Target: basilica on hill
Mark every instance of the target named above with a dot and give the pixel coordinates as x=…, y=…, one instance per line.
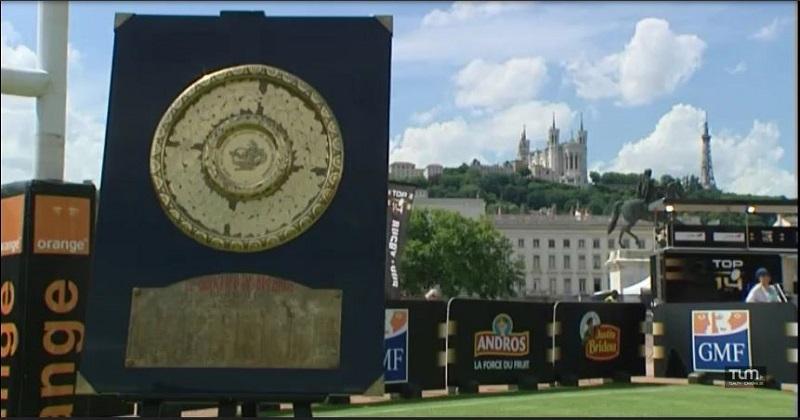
x=557, y=162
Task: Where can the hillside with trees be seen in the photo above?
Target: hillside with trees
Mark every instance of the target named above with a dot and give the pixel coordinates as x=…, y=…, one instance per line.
x=517, y=193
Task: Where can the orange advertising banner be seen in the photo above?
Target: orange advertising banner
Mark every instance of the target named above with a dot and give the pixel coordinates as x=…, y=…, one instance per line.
x=11, y=223
x=61, y=225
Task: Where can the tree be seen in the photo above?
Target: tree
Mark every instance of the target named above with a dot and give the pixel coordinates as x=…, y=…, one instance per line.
x=514, y=192
x=460, y=255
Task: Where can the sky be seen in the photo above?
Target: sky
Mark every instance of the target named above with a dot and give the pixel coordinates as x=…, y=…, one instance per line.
x=466, y=77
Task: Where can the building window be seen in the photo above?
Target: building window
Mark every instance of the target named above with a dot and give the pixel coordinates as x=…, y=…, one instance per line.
x=610, y=244
x=581, y=262
x=551, y=262
x=536, y=262
x=551, y=243
x=552, y=288
x=521, y=242
x=596, y=261
x=536, y=284
x=626, y=243
x=642, y=244
x=567, y=286
x=567, y=262
x=582, y=286
x=581, y=243
x=596, y=243
x=566, y=243
x=597, y=284
x=536, y=243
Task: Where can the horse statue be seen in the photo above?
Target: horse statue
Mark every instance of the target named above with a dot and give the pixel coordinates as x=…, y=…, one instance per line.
x=631, y=211
x=635, y=209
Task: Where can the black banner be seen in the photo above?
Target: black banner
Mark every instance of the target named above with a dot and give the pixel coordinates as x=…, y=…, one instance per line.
x=47, y=235
x=599, y=340
x=757, y=237
x=424, y=344
x=712, y=337
x=772, y=237
x=12, y=295
x=714, y=277
x=399, y=202
x=498, y=342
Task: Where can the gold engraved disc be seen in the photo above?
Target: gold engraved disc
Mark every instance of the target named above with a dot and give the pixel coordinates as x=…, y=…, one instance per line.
x=246, y=158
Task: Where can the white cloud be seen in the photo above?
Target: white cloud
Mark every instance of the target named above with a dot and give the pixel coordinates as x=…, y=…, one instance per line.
x=770, y=31
x=490, y=137
x=14, y=55
x=461, y=11
x=494, y=85
x=742, y=163
x=653, y=63
x=424, y=117
x=84, y=125
x=497, y=31
x=595, y=80
x=74, y=57
x=739, y=68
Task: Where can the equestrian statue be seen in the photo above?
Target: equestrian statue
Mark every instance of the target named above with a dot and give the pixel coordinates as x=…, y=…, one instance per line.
x=635, y=209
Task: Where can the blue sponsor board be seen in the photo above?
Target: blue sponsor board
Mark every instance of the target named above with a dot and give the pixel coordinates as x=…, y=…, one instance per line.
x=720, y=340
x=395, y=360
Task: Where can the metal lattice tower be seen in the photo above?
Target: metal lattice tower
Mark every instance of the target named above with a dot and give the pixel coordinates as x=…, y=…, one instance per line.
x=706, y=168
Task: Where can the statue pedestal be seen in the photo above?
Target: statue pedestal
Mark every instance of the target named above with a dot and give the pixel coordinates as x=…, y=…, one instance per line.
x=627, y=267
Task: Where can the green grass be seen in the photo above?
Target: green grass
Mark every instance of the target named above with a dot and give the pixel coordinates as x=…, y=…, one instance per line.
x=609, y=400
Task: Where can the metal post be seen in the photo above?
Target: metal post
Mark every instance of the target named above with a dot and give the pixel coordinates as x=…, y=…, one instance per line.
x=52, y=104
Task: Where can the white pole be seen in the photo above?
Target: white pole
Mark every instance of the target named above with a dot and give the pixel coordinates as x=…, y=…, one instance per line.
x=24, y=82
x=51, y=106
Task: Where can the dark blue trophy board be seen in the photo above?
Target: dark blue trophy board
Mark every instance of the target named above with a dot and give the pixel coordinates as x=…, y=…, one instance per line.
x=347, y=60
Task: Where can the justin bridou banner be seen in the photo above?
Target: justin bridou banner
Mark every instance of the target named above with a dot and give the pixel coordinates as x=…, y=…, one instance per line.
x=46, y=239
x=498, y=342
x=714, y=277
x=599, y=339
x=399, y=202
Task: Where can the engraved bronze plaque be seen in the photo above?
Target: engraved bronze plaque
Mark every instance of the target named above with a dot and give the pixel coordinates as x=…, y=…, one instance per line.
x=234, y=321
x=246, y=158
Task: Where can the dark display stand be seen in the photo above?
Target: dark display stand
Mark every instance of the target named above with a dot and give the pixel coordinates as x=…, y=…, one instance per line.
x=347, y=60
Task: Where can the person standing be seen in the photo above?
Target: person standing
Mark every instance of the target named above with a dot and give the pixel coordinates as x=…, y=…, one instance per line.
x=763, y=291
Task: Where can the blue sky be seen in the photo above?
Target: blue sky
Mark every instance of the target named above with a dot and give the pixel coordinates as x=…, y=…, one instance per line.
x=467, y=76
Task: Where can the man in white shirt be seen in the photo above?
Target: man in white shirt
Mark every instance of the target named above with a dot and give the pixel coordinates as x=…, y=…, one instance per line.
x=763, y=291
